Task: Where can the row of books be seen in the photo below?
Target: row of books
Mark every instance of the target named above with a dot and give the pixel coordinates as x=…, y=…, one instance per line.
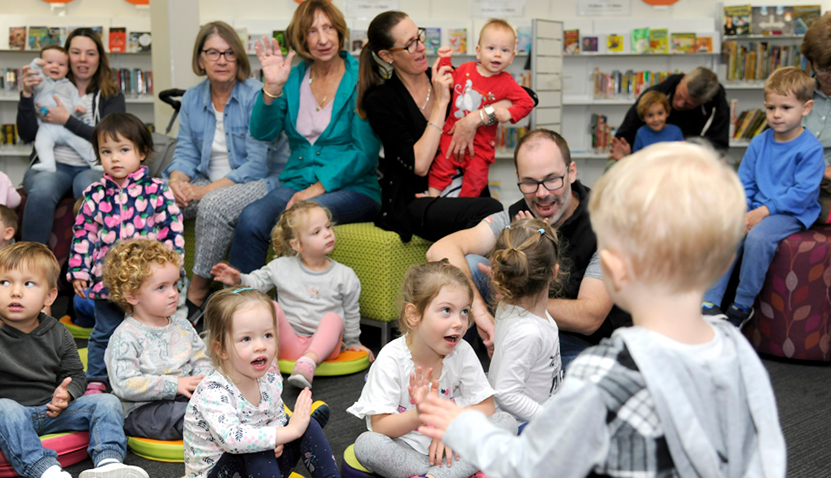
x=9, y=83
x=507, y=137
x=748, y=124
x=757, y=60
x=39, y=37
x=601, y=133
x=644, y=41
x=134, y=82
x=625, y=85
x=769, y=20
x=8, y=134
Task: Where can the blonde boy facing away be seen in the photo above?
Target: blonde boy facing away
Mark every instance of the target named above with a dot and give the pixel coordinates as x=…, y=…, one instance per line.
x=42, y=379
x=781, y=174
x=686, y=394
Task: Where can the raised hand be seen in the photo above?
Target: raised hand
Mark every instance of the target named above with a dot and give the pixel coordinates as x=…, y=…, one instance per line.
x=226, y=274
x=30, y=78
x=442, y=84
x=60, y=399
x=420, y=384
x=276, y=69
x=299, y=420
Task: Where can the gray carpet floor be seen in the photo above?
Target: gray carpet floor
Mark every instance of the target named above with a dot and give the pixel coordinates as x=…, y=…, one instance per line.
x=803, y=392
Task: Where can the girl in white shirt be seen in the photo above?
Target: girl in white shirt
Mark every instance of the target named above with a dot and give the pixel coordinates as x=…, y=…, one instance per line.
x=526, y=368
x=436, y=315
x=235, y=421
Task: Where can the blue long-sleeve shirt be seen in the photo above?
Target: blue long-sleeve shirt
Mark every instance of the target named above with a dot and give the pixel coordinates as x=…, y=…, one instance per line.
x=646, y=136
x=784, y=177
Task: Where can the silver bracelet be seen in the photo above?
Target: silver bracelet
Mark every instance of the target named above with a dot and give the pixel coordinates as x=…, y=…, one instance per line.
x=482, y=118
x=429, y=123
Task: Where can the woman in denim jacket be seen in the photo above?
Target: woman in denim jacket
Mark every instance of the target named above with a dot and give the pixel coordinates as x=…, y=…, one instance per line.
x=218, y=167
x=334, y=153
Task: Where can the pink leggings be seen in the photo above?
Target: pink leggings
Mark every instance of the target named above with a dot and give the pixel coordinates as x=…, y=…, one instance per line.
x=325, y=342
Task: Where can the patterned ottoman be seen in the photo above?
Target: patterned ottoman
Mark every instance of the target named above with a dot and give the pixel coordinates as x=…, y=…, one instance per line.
x=380, y=260
x=793, y=310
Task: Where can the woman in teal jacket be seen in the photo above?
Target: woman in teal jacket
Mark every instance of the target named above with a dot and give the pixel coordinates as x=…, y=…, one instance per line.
x=334, y=153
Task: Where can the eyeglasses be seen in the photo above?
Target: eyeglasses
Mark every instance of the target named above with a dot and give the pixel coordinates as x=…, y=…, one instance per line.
x=551, y=184
x=214, y=55
x=413, y=45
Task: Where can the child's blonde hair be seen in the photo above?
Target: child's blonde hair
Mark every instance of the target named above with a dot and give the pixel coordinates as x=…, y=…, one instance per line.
x=286, y=228
x=649, y=99
x=8, y=217
x=26, y=256
x=790, y=80
x=424, y=282
x=526, y=255
x=127, y=266
x=498, y=24
x=219, y=319
x=676, y=212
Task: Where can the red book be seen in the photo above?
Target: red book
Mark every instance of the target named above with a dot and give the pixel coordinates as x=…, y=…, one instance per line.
x=118, y=39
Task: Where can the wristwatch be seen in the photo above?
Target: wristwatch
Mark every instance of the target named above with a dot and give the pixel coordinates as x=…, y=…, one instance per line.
x=491, y=115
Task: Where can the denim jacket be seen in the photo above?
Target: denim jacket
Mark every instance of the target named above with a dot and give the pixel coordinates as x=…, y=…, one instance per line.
x=250, y=159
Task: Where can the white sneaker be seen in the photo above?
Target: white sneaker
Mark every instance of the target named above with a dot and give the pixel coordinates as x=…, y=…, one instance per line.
x=55, y=471
x=115, y=470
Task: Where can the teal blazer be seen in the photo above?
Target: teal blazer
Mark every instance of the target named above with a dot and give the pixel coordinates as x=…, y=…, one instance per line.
x=345, y=156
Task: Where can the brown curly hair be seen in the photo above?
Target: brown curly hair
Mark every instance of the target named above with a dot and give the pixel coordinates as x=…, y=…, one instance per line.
x=285, y=229
x=424, y=282
x=526, y=255
x=127, y=266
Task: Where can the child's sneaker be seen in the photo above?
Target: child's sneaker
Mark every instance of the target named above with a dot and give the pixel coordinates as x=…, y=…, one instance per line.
x=709, y=309
x=303, y=373
x=738, y=315
x=114, y=470
x=320, y=413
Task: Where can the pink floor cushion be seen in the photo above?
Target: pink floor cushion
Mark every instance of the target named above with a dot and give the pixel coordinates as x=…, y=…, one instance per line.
x=793, y=311
x=71, y=448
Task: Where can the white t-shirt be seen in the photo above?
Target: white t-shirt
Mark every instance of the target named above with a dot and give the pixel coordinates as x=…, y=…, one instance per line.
x=219, y=166
x=462, y=380
x=526, y=368
x=63, y=153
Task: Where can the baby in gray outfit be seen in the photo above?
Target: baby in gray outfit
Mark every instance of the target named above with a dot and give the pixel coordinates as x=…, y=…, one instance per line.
x=55, y=84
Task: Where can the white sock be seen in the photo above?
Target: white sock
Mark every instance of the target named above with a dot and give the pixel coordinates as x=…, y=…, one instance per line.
x=55, y=471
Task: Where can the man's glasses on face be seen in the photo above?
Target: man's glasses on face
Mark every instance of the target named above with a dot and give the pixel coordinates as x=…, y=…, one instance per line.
x=412, y=47
x=552, y=184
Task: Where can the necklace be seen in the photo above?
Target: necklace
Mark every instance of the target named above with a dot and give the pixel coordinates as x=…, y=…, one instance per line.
x=321, y=103
x=429, y=90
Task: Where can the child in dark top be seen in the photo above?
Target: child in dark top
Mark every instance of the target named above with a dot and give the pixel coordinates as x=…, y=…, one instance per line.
x=653, y=109
x=42, y=379
x=781, y=174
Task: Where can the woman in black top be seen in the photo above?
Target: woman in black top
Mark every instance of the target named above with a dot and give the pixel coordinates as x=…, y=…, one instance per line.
x=407, y=112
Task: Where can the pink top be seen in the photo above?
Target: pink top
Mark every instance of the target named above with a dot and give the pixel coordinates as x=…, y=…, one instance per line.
x=8, y=194
x=311, y=123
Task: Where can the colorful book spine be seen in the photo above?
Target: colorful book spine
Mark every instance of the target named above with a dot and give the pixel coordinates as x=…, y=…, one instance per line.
x=755, y=61
x=625, y=84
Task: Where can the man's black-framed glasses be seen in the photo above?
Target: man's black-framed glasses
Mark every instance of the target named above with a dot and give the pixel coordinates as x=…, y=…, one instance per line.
x=552, y=184
x=413, y=45
x=214, y=55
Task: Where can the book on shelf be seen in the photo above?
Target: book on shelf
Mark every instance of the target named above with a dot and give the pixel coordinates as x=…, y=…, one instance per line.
x=432, y=40
x=601, y=133
x=9, y=81
x=737, y=20
x=772, y=21
x=457, y=37
x=17, y=38
x=253, y=39
x=282, y=40
x=140, y=42
x=242, y=33
x=571, y=42
x=756, y=60
x=659, y=41
x=9, y=134
x=614, y=43
x=495, y=188
x=683, y=43
x=589, y=45
x=804, y=17
x=134, y=82
x=704, y=44
x=749, y=124
x=507, y=136
x=57, y=36
x=118, y=39
x=627, y=84
x=38, y=38
x=357, y=40
x=523, y=39
x=734, y=107
x=97, y=29
x=640, y=40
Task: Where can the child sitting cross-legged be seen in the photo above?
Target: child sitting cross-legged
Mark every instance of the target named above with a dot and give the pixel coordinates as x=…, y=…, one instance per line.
x=317, y=297
x=42, y=378
x=677, y=394
x=235, y=423
x=154, y=360
x=432, y=352
x=526, y=368
x=653, y=109
x=781, y=173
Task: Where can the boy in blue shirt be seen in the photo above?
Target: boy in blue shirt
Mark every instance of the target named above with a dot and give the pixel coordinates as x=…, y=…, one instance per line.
x=781, y=173
x=653, y=109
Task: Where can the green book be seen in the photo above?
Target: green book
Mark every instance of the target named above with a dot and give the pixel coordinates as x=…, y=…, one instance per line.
x=659, y=41
x=640, y=40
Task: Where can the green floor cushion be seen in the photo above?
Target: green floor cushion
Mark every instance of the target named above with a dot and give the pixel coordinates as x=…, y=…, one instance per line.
x=76, y=330
x=83, y=354
x=190, y=244
x=172, y=451
x=348, y=362
x=380, y=260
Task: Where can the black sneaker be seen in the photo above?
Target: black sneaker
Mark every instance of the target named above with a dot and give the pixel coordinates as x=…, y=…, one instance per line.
x=321, y=414
x=739, y=317
x=195, y=312
x=711, y=311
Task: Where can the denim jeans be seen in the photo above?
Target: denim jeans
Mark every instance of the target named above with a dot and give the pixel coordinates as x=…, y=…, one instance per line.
x=253, y=230
x=20, y=427
x=44, y=190
x=108, y=316
x=757, y=250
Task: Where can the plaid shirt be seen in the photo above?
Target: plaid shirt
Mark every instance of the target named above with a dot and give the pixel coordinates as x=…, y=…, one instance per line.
x=637, y=446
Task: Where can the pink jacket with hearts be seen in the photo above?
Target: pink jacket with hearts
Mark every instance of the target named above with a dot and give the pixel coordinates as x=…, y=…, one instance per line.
x=143, y=207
